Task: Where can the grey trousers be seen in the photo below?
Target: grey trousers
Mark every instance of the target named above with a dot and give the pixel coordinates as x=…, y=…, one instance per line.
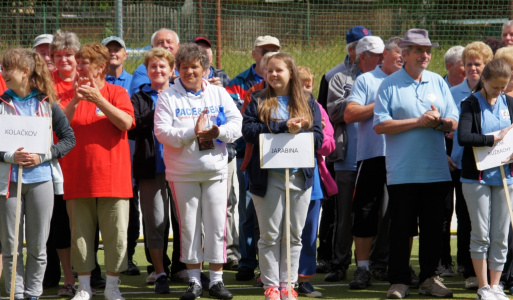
x=155, y=209
x=36, y=214
x=232, y=221
x=490, y=221
x=270, y=212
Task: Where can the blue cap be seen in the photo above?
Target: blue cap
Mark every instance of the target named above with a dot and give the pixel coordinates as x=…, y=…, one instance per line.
x=356, y=33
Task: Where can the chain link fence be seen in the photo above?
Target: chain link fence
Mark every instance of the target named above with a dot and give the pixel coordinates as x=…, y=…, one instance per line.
x=313, y=31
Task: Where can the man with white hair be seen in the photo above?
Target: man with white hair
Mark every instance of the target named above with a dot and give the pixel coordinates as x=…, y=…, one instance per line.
x=165, y=38
x=369, y=53
x=454, y=66
x=507, y=32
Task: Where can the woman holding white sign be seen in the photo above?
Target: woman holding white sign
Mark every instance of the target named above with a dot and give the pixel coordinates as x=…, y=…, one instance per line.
x=30, y=93
x=282, y=107
x=487, y=111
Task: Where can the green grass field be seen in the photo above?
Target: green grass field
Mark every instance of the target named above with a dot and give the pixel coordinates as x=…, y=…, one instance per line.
x=134, y=287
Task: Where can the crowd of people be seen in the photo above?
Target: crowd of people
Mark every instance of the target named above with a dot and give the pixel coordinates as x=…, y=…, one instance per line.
x=177, y=142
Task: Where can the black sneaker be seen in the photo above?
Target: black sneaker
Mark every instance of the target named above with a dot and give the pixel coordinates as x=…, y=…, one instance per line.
x=336, y=275
x=380, y=274
x=205, y=281
x=322, y=266
x=245, y=274
x=308, y=290
x=193, y=291
x=97, y=282
x=132, y=269
x=161, y=285
x=361, y=279
x=219, y=291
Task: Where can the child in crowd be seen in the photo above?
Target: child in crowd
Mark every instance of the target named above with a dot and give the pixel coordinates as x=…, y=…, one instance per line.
x=324, y=185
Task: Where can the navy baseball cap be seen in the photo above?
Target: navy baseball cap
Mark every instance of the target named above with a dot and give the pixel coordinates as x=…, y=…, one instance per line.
x=356, y=33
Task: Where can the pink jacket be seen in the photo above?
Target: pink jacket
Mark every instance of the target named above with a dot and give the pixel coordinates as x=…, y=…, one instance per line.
x=328, y=145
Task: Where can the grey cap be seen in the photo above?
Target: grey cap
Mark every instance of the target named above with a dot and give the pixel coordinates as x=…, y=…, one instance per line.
x=42, y=39
x=116, y=39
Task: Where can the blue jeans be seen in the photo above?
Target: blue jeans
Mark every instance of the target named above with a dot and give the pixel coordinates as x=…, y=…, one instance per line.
x=247, y=217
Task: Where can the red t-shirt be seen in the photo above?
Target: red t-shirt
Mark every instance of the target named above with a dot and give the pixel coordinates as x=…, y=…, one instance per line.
x=60, y=86
x=99, y=165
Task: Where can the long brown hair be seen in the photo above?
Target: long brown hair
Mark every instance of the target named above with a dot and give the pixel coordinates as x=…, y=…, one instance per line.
x=298, y=99
x=39, y=75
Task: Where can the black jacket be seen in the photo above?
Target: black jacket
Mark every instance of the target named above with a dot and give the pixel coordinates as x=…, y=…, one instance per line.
x=144, y=163
x=469, y=134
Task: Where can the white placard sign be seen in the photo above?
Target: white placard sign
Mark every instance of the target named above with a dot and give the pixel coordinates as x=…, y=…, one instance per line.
x=32, y=133
x=491, y=157
x=287, y=150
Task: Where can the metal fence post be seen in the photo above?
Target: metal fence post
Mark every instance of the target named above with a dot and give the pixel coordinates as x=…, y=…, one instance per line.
x=119, y=18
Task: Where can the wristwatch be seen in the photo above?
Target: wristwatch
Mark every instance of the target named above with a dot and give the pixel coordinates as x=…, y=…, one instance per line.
x=439, y=127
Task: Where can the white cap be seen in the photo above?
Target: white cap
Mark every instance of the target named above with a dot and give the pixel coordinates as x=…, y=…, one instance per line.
x=370, y=43
x=267, y=40
x=43, y=39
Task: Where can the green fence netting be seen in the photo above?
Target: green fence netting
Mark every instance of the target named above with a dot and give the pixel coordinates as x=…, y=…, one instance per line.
x=312, y=31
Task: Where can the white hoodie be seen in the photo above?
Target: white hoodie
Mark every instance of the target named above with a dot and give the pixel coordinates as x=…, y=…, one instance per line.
x=176, y=114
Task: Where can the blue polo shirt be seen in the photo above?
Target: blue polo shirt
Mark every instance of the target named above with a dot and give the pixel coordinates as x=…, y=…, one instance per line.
x=493, y=118
x=459, y=93
x=124, y=80
x=365, y=92
x=416, y=155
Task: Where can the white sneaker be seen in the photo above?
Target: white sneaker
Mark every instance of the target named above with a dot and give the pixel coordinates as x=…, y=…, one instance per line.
x=82, y=294
x=471, y=283
x=499, y=292
x=112, y=292
x=151, y=278
x=485, y=293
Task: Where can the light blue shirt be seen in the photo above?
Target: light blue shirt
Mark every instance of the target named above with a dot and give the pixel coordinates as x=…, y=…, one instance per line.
x=459, y=93
x=124, y=80
x=316, y=187
x=493, y=118
x=365, y=92
x=416, y=155
x=282, y=114
x=28, y=106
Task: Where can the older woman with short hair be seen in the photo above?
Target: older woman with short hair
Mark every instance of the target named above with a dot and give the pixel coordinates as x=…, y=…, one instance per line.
x=149, y=168
x=63, y=48
x=196, y=164
x=97, y=182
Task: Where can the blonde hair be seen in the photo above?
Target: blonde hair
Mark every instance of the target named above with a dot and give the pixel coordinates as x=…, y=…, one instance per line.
x=162, y=53
x=479, y=50
x=305, y=74
x=506, y=54
x=39, y=75
x=298, y=99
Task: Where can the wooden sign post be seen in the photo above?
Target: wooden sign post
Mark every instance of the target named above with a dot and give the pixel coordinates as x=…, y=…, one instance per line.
x=491, y=157
x=285, y=151
x=34, y=135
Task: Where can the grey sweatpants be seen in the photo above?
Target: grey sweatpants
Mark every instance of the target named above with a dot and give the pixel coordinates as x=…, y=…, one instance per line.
x=270, y=210
x=36, y=213
x=490, y=221
x=155, y=209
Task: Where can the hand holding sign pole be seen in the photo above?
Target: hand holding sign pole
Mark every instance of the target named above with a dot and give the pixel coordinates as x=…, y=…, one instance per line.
x=496, y=156
x=284, y=151
x=35, y=134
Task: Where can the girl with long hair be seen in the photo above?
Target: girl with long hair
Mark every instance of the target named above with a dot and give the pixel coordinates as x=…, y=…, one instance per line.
x=30, y=93
x=282, y=107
